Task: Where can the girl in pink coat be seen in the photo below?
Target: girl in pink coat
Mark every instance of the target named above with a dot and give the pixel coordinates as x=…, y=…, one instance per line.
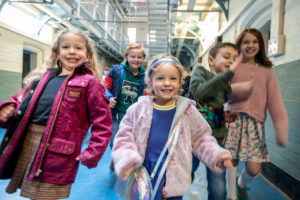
x=145, y=129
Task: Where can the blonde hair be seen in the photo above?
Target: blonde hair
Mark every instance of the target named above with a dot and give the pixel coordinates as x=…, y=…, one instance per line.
x=134, y=46
x=54, y=62
x=178, y=66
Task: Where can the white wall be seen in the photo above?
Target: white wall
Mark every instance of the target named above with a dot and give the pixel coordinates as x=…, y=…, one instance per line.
x=141, y=31
x=12, y=45
x=291, y=30
x=257, y=13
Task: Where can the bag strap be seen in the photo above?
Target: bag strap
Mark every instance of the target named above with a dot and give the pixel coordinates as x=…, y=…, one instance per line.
x=172, y=140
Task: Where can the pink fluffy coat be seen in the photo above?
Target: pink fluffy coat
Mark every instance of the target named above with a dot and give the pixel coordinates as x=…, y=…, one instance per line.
x=130, y=143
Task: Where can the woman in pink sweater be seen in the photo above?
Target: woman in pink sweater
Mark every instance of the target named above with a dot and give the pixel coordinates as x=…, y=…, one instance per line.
x=149, y=123
x=254, y=90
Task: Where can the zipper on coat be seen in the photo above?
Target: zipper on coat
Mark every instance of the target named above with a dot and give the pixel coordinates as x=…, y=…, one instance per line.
x=52, y=125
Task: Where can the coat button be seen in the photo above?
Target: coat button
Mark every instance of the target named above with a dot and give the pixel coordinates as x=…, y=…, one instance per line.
x=19, y=112
x=6, y=139
x=48, y=145
x=83, y=83
x=69, y=82
x=31, y=91
x=70, y=150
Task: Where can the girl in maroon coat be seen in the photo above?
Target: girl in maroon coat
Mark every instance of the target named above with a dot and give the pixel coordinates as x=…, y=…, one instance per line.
x=47, y=120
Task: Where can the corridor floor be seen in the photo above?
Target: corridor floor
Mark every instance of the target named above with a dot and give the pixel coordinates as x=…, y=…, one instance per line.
x=99, y=184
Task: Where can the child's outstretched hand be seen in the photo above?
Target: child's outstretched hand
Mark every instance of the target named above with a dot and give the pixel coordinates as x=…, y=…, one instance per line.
x=281, y=141
x=225, y=161
x=234, y=66
x=112, y=102
x=83, y=160
x=6, y=112
x=128, y=173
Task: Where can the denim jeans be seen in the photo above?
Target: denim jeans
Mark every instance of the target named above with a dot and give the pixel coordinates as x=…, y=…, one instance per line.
x=216, y=182
x=116, y=119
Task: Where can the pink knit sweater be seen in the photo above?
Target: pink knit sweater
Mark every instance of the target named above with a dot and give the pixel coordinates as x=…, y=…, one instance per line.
x=255, y=98
x=130, y=143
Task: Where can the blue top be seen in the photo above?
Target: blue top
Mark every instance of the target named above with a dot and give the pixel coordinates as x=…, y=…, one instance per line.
x=160, y=127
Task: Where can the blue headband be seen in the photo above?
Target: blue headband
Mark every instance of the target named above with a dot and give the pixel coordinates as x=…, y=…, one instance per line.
x=160, y=61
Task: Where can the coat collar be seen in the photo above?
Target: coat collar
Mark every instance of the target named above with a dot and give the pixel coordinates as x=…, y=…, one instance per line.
x=182, y=104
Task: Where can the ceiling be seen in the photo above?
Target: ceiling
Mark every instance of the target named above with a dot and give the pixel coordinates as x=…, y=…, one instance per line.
x=176, y=26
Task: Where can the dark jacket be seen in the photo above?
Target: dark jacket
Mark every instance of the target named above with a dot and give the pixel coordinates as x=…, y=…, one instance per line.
x=185, y=86
x=80, y=101
x=114, y=79
x=212, y=89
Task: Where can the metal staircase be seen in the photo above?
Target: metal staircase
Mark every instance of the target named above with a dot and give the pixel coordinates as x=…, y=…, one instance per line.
x=158, y=26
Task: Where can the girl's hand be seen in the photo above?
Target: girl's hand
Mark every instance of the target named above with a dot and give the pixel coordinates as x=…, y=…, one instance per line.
x=225, y=161
x=112, y=102
x=281, y=142
x=6, y=112
x=228, y=163
x=250, y=84
x=165, y=194
x=230, y=116
x=82, y=159
x=128, y=173
x=235, y=65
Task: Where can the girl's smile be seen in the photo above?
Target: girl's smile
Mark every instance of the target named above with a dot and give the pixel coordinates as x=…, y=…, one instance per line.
x=165, y=83
x=249, y=47
x=72, y=52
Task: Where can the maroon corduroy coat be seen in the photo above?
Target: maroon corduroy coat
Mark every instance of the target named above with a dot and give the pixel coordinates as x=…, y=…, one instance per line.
x=80, y=102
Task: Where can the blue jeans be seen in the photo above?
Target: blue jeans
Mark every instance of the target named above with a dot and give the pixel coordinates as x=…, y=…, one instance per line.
x=216, y=182
x=116, y=119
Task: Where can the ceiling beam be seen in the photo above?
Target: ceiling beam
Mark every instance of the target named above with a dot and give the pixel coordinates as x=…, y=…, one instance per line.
x=196, y=10
x=223, y=7
x=111, y=21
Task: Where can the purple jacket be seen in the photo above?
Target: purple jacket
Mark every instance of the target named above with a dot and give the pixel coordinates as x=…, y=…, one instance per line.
x=80, y=101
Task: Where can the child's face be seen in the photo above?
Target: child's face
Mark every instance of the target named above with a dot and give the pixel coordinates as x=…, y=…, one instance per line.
x=165, y=83
x=72, y=51
x=249, y=46
x=135, y=59
x=224, y=58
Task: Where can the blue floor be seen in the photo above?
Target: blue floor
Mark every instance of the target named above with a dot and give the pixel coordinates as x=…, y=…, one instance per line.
x=99, y=184
x=259, y=188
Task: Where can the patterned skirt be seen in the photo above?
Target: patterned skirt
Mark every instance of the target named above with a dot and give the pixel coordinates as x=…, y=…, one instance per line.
x=246, y=139
x=35, y=189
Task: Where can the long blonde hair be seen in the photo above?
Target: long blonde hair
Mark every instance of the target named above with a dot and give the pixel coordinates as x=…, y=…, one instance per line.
x=54, y=62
